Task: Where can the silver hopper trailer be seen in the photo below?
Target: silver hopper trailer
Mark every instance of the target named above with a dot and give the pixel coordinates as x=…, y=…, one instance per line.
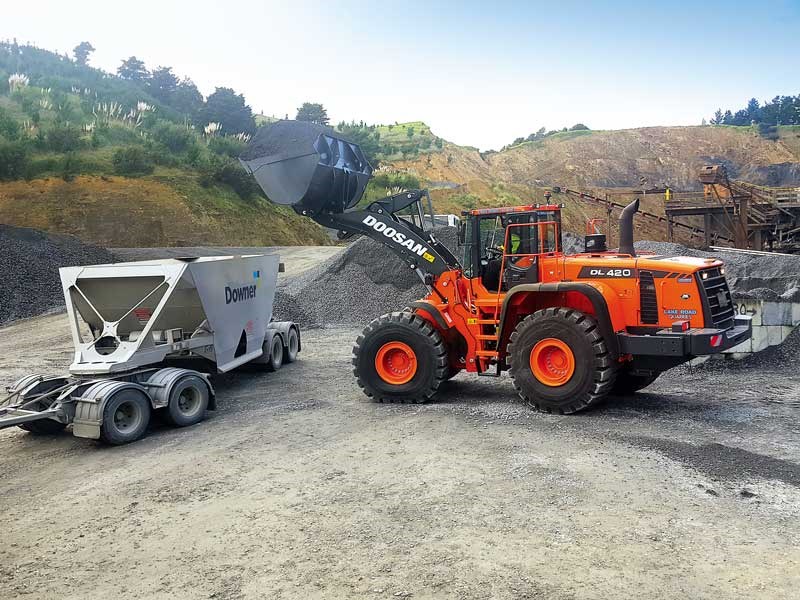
x=128, y=319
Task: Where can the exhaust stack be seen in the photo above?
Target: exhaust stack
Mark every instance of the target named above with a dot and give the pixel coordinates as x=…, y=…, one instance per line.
x=626, y=228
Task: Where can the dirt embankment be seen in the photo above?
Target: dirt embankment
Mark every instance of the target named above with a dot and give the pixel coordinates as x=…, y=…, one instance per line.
x=151, y=212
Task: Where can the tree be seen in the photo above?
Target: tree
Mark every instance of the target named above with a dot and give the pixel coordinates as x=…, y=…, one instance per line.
x=579, y=127
x=163, y=84
x=133, y=69
x=229, y=109
x=188, y=99
x=717, y=119
x=313, y=112
x=82, y=52
x=368, y=139
x=409, y=132
x=753, y=110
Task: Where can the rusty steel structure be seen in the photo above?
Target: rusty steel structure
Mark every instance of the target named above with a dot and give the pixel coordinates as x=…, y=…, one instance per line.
x=738, y=213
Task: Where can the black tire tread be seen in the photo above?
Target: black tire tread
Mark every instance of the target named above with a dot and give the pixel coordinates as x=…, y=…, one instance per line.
x=424, y=329
x=605, y=367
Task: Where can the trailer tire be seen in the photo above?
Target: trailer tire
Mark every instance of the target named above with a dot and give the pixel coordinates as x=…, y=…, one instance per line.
x=559, y=361
x=42, y=385
x=275, y=360
x=401, y=358
x=125, y=417
x=188, y=401
x=292, y=345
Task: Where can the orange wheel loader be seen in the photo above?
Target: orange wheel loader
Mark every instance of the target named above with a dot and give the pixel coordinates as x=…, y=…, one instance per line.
x=570, y=330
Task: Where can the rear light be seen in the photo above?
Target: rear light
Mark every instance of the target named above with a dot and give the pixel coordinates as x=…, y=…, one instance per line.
x=680, y=326
x=716, y=341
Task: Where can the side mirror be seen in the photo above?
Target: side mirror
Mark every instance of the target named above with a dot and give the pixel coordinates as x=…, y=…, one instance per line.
x=462, y=233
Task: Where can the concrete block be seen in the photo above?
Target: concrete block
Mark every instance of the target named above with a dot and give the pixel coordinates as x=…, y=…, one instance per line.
x=759, y=339
x=776, y=313
x=745, y=346
x=774, y=334
x=751, y=308
x=795, y=313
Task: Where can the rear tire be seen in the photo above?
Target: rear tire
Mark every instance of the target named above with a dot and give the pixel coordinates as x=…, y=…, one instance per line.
x=627, y=383
x=188, y=401
x=400, y=357
x=125, y=417
x=559, y=361
x=292, y=345
x=275, y=360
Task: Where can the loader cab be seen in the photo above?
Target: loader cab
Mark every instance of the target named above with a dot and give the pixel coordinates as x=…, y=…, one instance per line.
x=502, y=247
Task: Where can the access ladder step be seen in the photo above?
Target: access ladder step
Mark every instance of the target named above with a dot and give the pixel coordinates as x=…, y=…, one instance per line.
x=486, y=338
x=487, y=353
x=488, y=322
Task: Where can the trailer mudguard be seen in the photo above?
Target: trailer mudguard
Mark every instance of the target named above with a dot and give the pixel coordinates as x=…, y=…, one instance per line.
x=90, y=405
x=159, y=386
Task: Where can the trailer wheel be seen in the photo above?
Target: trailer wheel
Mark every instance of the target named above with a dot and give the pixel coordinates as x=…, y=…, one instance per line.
x=275, y=361
x=400, y=357
x=125, y=417
x=559, y=361
x=43, y=386
x=292, y=345
x=188, y=401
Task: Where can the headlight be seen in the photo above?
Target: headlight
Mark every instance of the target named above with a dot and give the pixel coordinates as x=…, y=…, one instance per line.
x=722, y=270
x=704, y=275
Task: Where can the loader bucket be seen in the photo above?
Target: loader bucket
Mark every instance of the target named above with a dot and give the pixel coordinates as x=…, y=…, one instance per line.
x=306, y=166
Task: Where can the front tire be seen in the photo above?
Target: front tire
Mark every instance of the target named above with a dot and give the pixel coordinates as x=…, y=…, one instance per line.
x=400, y=357
x=559, y=361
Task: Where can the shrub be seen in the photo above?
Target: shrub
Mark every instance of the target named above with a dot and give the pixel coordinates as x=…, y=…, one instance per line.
x=64, y=138
x=70, y=166
x=226, y=146
x=13, y=160
x=9, y=128
x=132, y=161
x=230, y=173
x=175, y=137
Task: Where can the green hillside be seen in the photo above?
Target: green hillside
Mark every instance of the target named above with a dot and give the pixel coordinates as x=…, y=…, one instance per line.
x=67, y=121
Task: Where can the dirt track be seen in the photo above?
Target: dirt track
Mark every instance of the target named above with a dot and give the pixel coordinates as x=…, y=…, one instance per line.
x=298, y=488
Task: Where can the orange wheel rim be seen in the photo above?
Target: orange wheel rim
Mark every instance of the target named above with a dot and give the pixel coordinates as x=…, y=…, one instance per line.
x=552, y=362
x=396, y=363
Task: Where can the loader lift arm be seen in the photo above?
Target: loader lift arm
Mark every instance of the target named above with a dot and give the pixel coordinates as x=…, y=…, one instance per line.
x=380, y=221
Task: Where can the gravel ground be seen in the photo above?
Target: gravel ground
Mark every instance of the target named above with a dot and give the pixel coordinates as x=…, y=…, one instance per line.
x=354, y=286
x=298, y=487
x=30, y=259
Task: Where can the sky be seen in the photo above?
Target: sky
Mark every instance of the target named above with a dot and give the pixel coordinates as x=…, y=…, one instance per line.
x=478, y=73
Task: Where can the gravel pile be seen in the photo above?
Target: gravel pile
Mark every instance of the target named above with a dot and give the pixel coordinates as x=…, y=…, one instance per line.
x=29, y=261
x=355, y=286
x=759, y=276
x=287, y=138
